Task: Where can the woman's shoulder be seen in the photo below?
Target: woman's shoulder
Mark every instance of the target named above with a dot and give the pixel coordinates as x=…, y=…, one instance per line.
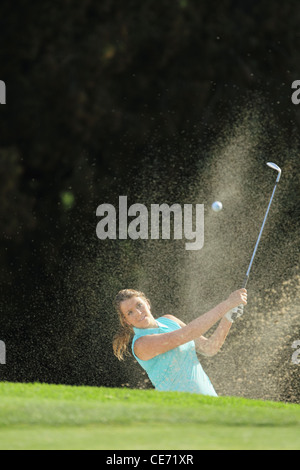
x=175, y=319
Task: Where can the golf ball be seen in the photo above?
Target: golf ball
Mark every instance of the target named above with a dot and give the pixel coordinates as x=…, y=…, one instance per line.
x=217, y=206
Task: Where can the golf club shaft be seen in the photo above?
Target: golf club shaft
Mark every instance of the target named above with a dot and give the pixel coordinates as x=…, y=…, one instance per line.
x=258, y=240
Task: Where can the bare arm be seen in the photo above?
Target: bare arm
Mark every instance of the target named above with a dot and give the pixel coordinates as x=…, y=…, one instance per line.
x=210, y=346
x=149, y=346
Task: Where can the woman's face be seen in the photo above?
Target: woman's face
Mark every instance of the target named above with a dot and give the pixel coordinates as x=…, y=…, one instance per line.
x=136, y=312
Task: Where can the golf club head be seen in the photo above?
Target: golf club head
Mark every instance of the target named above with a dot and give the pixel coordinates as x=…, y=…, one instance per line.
x=275, y=167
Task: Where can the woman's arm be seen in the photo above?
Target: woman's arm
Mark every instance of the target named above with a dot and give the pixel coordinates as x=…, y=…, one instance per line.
x=210, y=346
x=149, y=346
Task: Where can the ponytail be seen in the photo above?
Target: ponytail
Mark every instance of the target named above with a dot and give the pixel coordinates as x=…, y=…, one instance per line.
x=121, y=342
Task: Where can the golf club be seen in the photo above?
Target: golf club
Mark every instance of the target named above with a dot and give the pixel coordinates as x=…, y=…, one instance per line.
x=236, y=312
x=275, y=167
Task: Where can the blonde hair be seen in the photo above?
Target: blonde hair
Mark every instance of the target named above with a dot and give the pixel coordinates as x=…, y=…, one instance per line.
x=122, y=338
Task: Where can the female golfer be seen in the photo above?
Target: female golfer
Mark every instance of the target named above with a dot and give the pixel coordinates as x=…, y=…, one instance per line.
x=166, y=348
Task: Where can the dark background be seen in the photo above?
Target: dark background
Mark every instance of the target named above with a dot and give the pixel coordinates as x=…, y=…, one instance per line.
x=124, y=98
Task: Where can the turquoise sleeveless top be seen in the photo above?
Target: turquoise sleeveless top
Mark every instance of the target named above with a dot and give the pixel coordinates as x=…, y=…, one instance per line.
x=176, y=370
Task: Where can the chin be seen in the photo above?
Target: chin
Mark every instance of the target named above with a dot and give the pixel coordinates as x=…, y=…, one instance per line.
x=145, y=323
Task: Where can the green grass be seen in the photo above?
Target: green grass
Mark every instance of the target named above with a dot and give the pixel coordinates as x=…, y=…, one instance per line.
x=41, y=416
